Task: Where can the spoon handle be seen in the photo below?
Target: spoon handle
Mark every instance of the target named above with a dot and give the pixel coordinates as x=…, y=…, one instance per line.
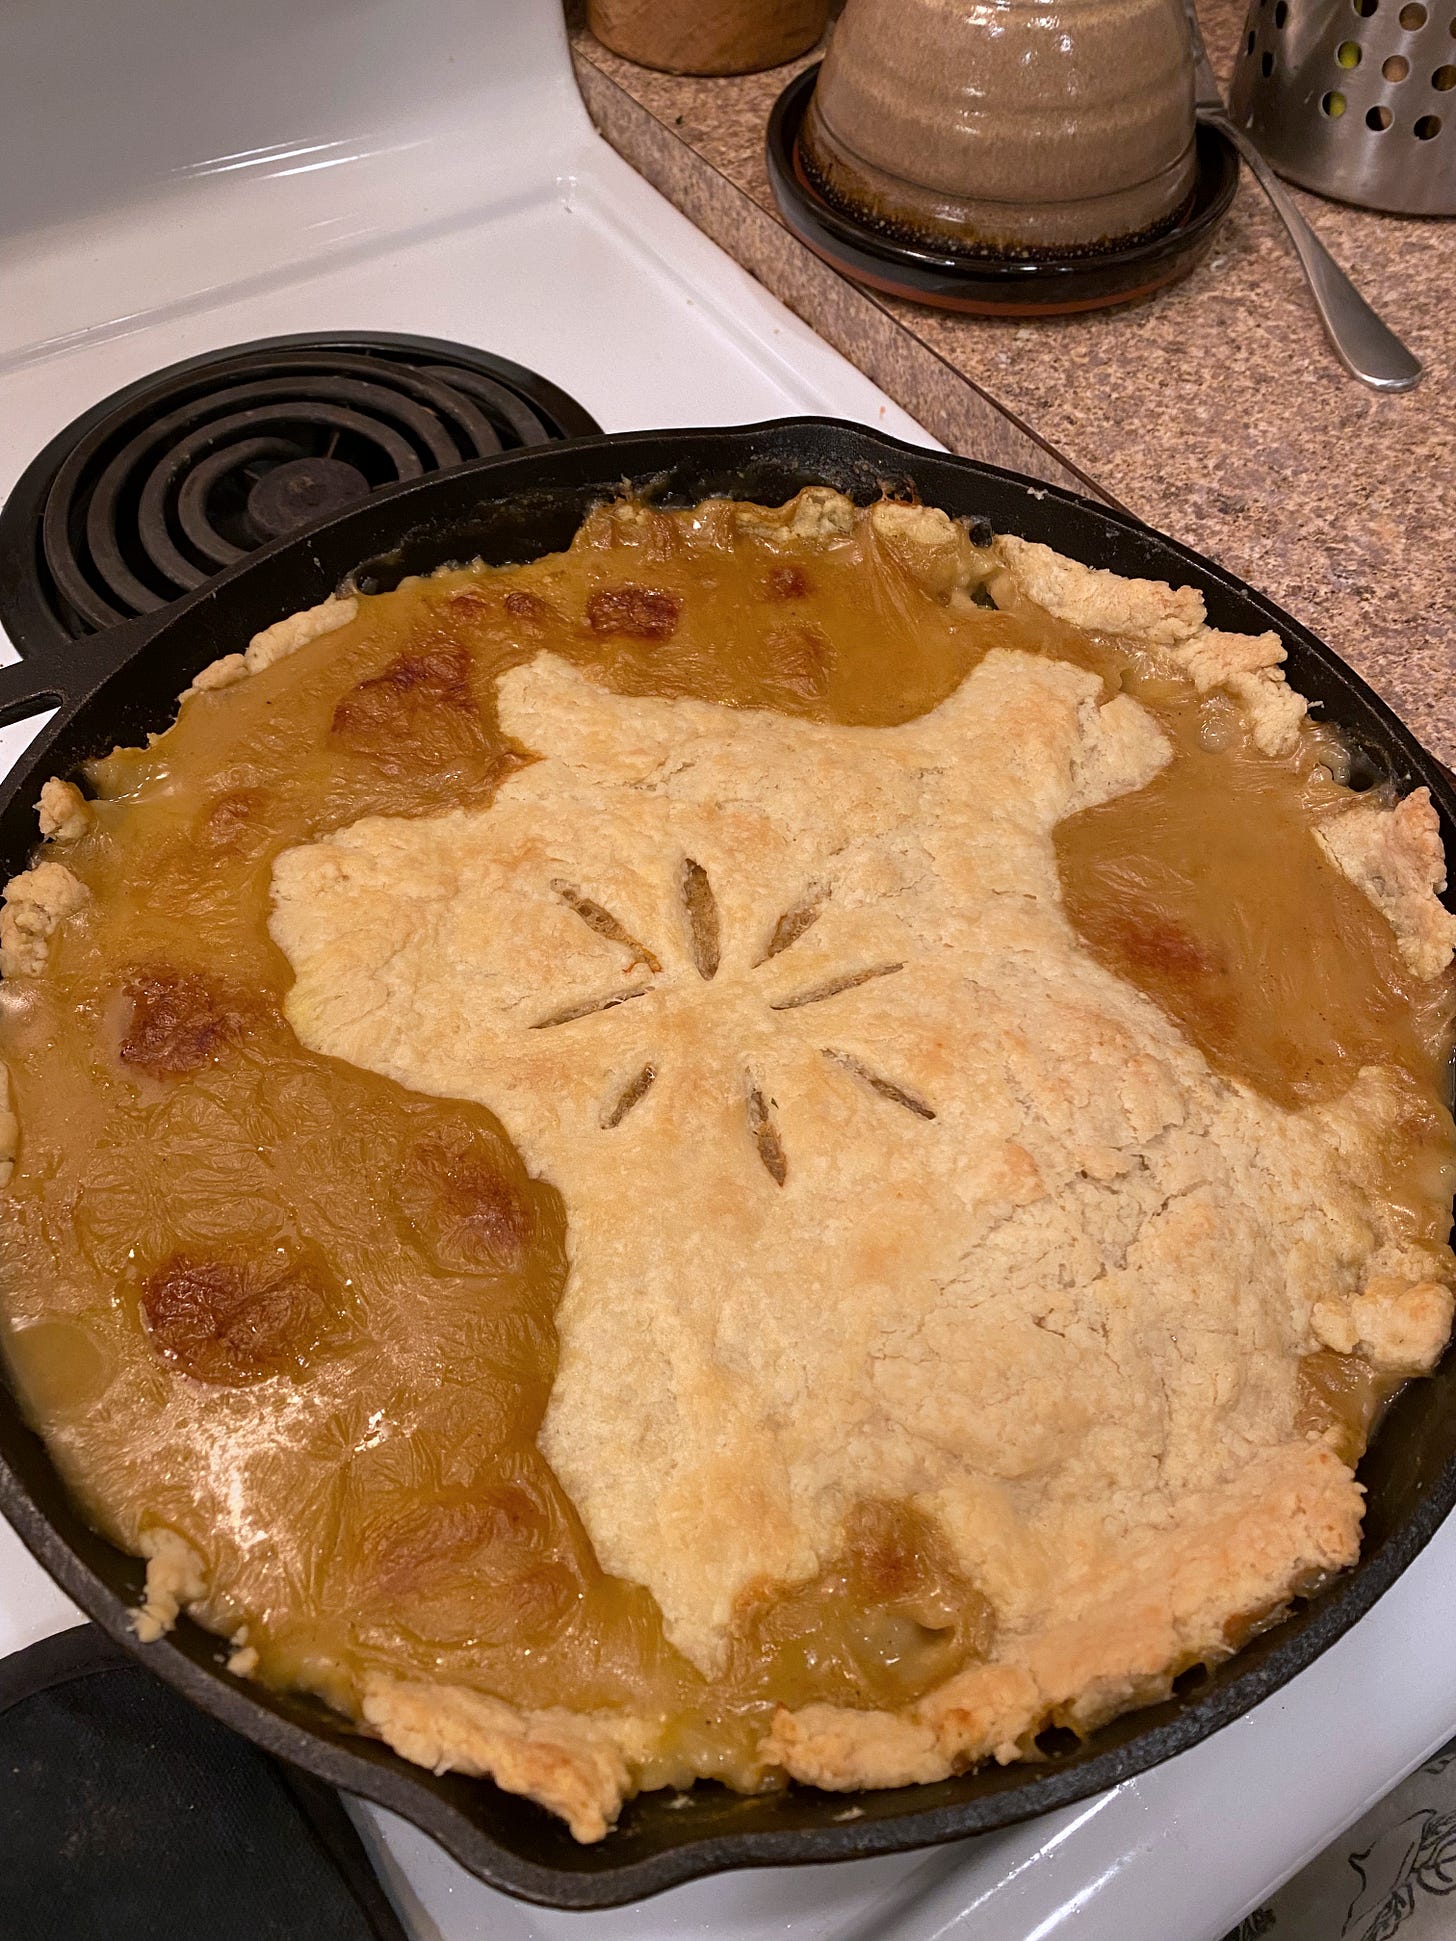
x=1368, y=348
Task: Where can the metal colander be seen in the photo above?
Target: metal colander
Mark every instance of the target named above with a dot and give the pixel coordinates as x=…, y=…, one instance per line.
x=1354, y=98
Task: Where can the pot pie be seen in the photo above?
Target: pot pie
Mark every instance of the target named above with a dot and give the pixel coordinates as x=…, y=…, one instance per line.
x=796, y=1144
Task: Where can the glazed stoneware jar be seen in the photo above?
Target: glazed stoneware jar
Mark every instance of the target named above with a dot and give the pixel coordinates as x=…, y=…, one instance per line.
x=1007, y=125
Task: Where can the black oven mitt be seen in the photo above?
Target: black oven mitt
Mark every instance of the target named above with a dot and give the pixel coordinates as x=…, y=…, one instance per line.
x=128, y=1815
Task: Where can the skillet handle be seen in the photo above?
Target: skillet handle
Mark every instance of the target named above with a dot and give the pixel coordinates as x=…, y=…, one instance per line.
x=25, y=690
x=61, y=678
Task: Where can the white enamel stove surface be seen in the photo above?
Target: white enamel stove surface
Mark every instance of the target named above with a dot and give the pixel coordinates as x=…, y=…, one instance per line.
x=176, y=179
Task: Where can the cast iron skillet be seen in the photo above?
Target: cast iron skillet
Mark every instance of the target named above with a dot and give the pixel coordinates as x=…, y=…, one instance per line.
x=115, y=687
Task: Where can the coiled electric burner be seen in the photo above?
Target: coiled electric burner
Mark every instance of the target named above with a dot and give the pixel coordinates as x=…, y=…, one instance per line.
x=159, y=487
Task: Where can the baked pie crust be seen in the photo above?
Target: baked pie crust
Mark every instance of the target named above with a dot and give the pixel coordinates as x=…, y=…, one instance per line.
x=944, y=1212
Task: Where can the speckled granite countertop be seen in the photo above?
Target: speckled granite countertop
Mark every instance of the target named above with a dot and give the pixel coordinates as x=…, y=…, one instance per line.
x=1214, y=411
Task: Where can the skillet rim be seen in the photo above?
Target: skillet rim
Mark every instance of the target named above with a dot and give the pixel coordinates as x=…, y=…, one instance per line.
x=505, y=1841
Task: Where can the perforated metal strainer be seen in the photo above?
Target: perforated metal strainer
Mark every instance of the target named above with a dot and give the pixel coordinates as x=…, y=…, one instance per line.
x=1354, y=98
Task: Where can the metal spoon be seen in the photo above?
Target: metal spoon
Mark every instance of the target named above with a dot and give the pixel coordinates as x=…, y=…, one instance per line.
x=1366, y=347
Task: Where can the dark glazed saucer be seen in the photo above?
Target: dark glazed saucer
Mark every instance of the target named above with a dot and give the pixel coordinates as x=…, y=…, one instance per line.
x=979, y=281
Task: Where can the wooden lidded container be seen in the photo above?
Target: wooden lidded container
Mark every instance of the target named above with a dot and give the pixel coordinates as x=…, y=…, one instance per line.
x=708, y=36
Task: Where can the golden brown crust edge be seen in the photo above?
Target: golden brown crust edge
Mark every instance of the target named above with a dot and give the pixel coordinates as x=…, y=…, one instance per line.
x=1394, y=855
x=36, y=903
x=1390, y=852
x=1117, y=1656
x=574, y=1764
x=582, y=1766
x=1398, y=862
x=275, y=643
